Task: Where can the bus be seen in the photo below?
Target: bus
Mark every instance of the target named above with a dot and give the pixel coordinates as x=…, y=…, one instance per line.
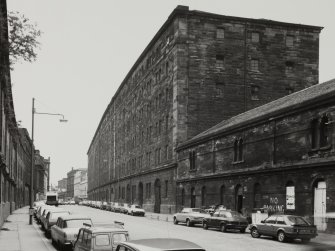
x=52, y=198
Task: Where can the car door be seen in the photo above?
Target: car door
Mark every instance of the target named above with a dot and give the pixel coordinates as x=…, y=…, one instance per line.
x=266, y=228
x=183, y=215
x=79, y=242
x=86, y=243
x=280, y=223
x=55, y=230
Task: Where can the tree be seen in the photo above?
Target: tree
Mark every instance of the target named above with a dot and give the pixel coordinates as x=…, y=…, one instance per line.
x=22, y=38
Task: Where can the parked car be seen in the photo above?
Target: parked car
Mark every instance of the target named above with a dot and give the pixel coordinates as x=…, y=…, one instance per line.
x=156, y=244
x=124, y=208
x=117, y=207
x=40, y=212
x=284, y=227
x=190, y=216
x=104, y=205
x=224, y=220
x=109, y=206
x=100, y=238
x=136, y=210
x=65, y=231
x=44, y=214
x=98, y=204
x=52, y=218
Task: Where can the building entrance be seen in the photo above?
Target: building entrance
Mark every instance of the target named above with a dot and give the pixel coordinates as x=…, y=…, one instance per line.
x=157, y=208
x=320, y=205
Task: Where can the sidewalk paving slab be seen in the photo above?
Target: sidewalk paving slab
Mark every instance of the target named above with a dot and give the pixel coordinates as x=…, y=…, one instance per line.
x=17, y=235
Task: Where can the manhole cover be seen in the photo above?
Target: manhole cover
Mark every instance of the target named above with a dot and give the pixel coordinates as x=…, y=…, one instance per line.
x=5, y=229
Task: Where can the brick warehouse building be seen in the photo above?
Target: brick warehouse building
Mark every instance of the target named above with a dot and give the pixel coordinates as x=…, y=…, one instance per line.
x=278, y=156
x=199, y=69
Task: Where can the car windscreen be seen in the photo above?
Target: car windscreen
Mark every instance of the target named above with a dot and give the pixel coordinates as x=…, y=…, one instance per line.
x=296, y=220
x=51, y=198
x=55, y=215
x=77, y=223
x=138, y=207
x=119, y=237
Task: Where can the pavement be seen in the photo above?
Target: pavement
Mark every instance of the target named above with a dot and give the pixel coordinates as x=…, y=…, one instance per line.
x=17, y=235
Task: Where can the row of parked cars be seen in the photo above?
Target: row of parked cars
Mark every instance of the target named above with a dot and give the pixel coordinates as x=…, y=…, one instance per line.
x=78, y=233
x=116, y=207
x=282, y=227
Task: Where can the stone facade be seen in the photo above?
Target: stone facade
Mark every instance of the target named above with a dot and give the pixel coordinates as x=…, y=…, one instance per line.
x=279, y=156
x=199, y=69
x=70, y=181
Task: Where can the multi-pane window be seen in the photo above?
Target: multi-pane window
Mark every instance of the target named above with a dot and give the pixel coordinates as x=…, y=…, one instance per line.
x=255, y=37
x=220, y=33
x=238, y=150
x=289, y=41
x=254, y=65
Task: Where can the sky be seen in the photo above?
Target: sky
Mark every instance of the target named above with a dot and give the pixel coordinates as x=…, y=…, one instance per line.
x=88, y=47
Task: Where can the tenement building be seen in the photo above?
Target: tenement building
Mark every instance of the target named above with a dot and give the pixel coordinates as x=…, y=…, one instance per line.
x=199, y=69
x=279, y=156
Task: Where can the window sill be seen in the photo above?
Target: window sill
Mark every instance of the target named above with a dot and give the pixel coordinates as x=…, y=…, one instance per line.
x=238, y=162
x=192, y=170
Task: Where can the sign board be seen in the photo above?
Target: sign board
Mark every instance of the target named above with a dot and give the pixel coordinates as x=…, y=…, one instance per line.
x=290, y=198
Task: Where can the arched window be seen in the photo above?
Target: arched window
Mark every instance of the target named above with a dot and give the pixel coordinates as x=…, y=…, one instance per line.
x=203, y=196
x=235, y=150
x=324, y=141
x=314, y=133
x=240, y=150
x=222, y=192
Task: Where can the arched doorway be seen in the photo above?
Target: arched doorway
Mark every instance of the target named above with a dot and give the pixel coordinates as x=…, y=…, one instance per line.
x=239, y=198
x=128, y=194
x=203, y=196
x=222, y=192
x=193, y=197
x=157, y=207
x=320, y=187
x=140, y=194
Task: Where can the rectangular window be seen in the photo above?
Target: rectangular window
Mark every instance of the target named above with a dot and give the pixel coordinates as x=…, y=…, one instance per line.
x=255, y=37
x=254, y=65
x=289, y=41
x=219, y=61
x=254, y=89
x=220, y=33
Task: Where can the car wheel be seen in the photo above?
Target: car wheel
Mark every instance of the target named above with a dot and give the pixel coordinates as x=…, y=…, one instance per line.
x=254, y=233
x=223, y=228
x=306, y=240
x=204, y=225
x=242, y=231
x=281, y=236
x=188, y=223
x=175, y=221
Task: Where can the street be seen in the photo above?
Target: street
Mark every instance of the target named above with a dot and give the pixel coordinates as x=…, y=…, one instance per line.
x=211, y=240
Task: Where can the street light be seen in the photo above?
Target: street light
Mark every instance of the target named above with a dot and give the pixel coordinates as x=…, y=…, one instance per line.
x=33, y=154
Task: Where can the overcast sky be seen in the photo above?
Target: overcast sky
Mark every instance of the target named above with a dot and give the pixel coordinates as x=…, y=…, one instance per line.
x=88, y=47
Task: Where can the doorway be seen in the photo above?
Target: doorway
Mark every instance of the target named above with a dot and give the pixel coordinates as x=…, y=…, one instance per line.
x=140, y=194
x=320, y=205
x=193, y=197
x=239, y=198
x=157, y=207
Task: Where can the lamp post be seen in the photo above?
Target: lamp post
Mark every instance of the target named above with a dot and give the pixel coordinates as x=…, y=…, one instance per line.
x=33, y=112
